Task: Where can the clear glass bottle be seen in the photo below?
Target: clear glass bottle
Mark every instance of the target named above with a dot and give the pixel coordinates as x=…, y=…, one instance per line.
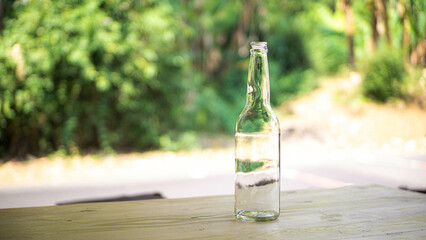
x=257, y=146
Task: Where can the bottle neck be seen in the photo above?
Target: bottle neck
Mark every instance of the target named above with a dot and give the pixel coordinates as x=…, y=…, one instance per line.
x=258, y=79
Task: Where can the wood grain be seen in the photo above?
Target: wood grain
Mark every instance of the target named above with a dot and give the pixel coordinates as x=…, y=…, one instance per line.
x=354, y=212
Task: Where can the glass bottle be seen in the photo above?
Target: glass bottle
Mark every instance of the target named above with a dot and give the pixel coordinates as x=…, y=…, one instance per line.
x=257, y=146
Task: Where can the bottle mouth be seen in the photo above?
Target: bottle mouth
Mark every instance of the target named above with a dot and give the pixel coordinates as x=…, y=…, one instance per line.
x=259, y=47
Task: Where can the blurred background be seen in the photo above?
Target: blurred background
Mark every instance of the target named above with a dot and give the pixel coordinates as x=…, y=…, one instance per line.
x=110, y=98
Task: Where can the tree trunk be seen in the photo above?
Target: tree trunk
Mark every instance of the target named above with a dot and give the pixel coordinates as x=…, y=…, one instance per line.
x=1, y=15
x=373, y=24
x=418, y=53
x=350, y=32
x=384, y=11
x=405, y=42
x=240, y=35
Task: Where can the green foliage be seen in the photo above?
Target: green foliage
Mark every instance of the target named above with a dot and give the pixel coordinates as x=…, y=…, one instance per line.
x=94, y=74
x=111, y=74
x=303, y=42
x=293, y=84
x=326, y=39
x=288, y=49
x=174, y=142
x=384, y=75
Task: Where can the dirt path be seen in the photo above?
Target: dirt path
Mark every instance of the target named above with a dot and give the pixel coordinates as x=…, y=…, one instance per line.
x=335, y=115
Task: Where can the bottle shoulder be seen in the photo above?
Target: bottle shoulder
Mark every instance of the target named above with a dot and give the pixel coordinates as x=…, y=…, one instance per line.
x=257, y=120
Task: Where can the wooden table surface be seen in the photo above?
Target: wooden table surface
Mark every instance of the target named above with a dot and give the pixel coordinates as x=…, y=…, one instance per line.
x=353, y=212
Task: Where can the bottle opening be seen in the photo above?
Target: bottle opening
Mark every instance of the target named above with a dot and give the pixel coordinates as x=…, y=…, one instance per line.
x=259, y=47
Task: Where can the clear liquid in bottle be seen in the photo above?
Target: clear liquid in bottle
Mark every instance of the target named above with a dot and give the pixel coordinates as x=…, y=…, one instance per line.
x=257, y=176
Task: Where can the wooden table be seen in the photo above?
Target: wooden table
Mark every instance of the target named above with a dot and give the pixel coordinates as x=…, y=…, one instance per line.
x=354, y=212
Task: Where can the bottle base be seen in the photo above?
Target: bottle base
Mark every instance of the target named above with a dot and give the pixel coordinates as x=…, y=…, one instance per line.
x=256, y=216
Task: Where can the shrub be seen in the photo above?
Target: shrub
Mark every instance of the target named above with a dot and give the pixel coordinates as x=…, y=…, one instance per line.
x=291, y=85
x=383, y=76
x=92, y=73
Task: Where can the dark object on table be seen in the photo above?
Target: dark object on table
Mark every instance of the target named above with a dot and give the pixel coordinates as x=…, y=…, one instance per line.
x=419, y=190
x=117, y=199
